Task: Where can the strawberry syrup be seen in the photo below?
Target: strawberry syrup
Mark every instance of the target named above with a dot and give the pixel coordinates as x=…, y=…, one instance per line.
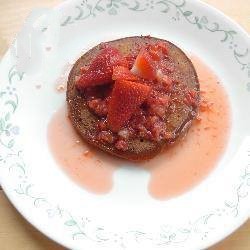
x=174, y=171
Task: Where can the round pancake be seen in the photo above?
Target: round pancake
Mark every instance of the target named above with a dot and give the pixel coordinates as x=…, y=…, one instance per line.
x=178, y=120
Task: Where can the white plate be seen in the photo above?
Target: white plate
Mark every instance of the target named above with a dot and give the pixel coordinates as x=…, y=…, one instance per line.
x=123, y=219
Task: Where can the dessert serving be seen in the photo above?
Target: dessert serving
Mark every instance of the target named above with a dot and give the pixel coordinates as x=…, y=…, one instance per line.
x=133, y=97
x=147, y=127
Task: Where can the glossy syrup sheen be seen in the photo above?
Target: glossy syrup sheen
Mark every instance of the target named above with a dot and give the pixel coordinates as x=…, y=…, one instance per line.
x=174, y=171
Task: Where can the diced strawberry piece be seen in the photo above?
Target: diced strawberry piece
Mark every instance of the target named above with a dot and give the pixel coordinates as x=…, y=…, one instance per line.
x=149, y=60
x=144, y=65
x=164, y=79
x=121, y=145
x=98, y=106
x=123, y=73
x=191, y=98
x=155, y=55
x=160, y=47
x=158, y=50
x=125, y=99
x=101, y=68
x=106, y=136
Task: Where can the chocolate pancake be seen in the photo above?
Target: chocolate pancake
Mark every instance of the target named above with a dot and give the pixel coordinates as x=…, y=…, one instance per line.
x=179, y=115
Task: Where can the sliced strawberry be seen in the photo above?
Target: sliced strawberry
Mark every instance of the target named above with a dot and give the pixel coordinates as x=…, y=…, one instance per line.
x=123, y=73
x=101, y=68
x=125, y=99
x=148, y=60
x=144, y=65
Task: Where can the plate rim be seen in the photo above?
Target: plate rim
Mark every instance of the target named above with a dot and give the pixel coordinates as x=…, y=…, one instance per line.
x=11, y=197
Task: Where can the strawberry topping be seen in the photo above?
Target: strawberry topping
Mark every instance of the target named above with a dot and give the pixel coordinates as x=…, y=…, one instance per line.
x=144, y=65
x=123, y=73
x=159, y=47
x=148, y=60
x=101, y=68
x=133, y=95
x=126, y=98
x=164, y=79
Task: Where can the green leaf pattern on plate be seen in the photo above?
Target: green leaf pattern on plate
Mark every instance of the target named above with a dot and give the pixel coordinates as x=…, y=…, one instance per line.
x=9, y=102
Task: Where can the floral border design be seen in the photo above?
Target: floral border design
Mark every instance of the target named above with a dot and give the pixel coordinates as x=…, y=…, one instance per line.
x=12, y=161
x=7, y=129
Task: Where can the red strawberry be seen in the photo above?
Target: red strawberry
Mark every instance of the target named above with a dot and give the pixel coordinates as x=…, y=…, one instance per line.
x=101, y=68
x=144, y=65
x=158, y=50
x=123, y=73
x=125, y=99
x=148, y=60
x=160, y=47
x=155, y=55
